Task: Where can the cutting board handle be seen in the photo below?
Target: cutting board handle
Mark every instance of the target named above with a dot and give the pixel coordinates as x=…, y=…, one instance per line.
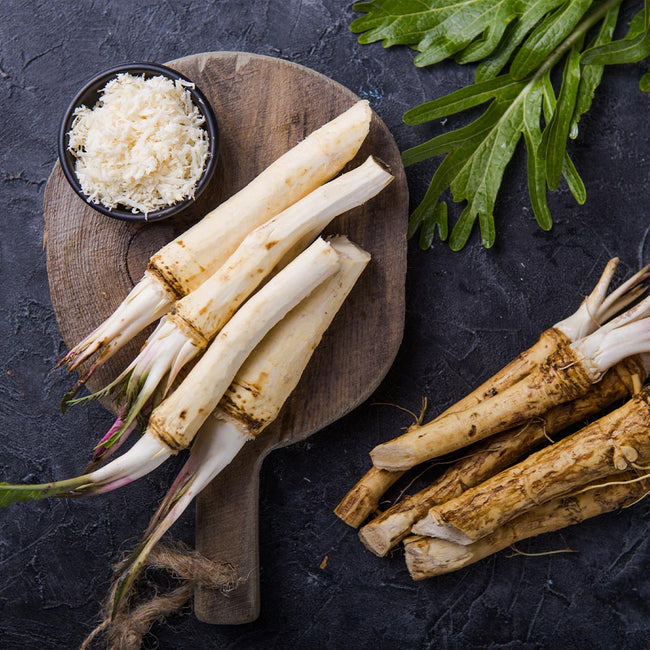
x=227, y=531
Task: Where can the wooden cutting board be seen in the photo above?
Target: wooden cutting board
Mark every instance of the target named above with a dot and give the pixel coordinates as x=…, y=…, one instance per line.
x=264, y=106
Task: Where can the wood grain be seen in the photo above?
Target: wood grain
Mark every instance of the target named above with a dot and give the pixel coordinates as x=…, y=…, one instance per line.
x=264, y=106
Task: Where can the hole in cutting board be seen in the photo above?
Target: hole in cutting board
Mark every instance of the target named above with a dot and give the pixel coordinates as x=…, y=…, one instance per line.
x=144, y=242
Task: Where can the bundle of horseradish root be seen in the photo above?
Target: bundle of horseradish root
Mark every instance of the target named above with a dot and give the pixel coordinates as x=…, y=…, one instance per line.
x=244, y=297
x=513, y=474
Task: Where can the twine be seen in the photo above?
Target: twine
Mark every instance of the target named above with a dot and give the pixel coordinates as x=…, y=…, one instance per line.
x=127, y=628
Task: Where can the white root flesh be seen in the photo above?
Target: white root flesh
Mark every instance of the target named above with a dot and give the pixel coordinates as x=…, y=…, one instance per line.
x=210, y=454
x=201, y=314
x=622, y=337
x=204, y=311
x=145, y=456
x=274, y=366
x=146, y=303
x=599, y=307
x=295, y=174
x=213, y=450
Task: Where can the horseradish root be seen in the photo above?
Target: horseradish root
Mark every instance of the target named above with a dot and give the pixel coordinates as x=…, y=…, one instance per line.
x=253, y=400
x=175, y=422
x=496, y=454
x=616, y=442
x=566, y=375
x=428, y=556
x=195, y=320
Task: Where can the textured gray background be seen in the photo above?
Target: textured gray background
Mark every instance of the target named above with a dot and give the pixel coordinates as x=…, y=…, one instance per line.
x=467, y=314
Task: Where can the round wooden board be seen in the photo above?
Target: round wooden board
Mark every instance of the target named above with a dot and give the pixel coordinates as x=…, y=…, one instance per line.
x=264, y=106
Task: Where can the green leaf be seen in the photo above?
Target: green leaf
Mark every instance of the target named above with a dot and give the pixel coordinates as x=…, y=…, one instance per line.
x=463, y=144
x=396, y=22
x=503, y=87
x=480, y=23
x=479, y=179
x=532, y=36
x=436, y=220
x=620, y=52
x=592, y=74
x=634, y=47
x=462, y=230
x=547, y=37
x=637, y=25
x=15, y=493
x=644, y=83
x=557, y=131
x=464, y=137
x=478, y=49
x=549, y=99
x=575, y=183
x=535, y=157
x=516, y=32
x=445, y=173
x=403, y=22
x=569, y=171
x=438, y=29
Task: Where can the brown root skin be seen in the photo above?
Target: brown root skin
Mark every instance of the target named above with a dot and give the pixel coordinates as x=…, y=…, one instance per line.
x=494, y=455
x=247, y=424
x=363, y=499
x=561, y=378
x=389, y=528
x=427, y=557
x=167, y=280
x=522, y=365
x=169, y=439
x=185, y=325
x=593, y=453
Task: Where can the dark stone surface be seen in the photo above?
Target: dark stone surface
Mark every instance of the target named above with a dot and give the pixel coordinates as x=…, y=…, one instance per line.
x=467, y=314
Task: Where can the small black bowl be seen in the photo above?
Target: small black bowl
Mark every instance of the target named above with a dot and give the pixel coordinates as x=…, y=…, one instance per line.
x=89, y=95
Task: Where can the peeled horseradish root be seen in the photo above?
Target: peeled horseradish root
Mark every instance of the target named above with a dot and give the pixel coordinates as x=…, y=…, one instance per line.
x=195, y=320
x=176, y=421
x=185, y=263
x=253, y=400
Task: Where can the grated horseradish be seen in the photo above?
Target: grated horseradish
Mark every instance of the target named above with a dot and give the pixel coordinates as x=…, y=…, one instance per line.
x=142, y=146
